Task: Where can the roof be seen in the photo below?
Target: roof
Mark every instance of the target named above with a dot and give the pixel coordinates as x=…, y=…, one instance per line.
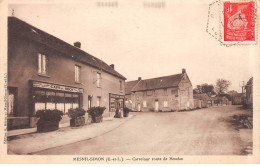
x=202, y=96
x=129, y=86
x=250, y=81
x=238, y=95
x=17, y=27
x=155, y=83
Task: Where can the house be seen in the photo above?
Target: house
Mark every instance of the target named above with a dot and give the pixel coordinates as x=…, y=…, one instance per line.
x=45, y=72
x=202, y=100
x=221, y=100
x=237, y=99
x=249, y=93
x=166, y=93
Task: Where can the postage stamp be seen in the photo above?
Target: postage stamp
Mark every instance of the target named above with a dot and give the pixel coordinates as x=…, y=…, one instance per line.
x=238, y=20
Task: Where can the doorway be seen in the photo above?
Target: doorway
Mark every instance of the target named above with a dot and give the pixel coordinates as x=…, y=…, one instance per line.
x=139, y=107
x=156, y=105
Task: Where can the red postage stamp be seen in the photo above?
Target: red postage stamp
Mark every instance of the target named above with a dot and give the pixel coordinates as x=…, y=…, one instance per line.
x=239, y=21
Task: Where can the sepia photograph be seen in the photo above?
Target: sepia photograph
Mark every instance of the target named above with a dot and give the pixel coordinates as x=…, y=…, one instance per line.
x=142, y=81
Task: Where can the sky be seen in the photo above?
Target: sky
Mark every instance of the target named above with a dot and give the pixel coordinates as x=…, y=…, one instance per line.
x=144, y=42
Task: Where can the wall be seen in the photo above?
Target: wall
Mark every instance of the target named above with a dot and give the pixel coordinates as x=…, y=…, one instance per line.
x=158, y=94
x=23, y=64
x=186, y=94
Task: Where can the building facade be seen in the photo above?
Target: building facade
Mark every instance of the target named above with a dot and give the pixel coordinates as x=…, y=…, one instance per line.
x=45, y=72
x=249, y=94
x=169, y=93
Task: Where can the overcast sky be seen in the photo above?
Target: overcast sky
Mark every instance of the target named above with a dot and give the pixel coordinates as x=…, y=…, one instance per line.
x=144, y=42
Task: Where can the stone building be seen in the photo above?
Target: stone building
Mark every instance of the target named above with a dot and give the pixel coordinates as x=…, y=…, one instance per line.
x=45, y=72
x=169, y=93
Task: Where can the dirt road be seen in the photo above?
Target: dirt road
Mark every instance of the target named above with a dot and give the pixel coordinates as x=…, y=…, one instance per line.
x=199, y=132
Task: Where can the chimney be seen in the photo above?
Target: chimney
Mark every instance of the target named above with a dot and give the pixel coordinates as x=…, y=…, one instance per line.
x=183, y=71
x=113, y=66
x=139, y=78
x=77, y=44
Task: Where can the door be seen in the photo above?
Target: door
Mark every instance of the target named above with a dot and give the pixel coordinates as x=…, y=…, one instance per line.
x=138, y=107
x=12, y=101
x=156, y=105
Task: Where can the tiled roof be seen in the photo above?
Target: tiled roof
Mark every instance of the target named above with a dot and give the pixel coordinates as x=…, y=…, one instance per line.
x=129, y=86
x=157, y=83
x=17, y=27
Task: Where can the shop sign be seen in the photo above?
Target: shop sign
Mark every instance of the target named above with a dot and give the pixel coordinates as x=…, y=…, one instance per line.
x=38, y=84
x=117, y=96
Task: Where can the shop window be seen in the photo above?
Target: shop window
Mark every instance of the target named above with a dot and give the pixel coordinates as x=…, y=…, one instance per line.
x=50, y=100
x=77, y=73
x=98, y=101
x=60, y=101
x=98, y=79
x=55, y=100
x=40, y=100
x=42, y=64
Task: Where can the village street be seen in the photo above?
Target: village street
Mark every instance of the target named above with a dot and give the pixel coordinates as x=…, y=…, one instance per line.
x=199, y=132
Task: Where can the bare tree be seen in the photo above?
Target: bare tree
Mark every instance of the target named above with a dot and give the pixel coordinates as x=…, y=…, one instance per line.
x=222, y=86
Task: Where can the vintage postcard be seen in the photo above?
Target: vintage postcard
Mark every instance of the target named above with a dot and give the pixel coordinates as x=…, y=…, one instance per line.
x=130, y=82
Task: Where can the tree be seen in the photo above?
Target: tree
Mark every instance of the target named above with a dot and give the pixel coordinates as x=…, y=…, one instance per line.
x=204, y=88
x=222, y=86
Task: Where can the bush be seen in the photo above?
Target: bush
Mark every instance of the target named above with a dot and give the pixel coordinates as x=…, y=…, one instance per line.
x=49, y=115
x=74, y=113
x=96, y=111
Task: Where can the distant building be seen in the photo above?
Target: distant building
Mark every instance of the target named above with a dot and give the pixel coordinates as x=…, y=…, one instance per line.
x=166, y=93
x=237, y=99
x=45, y=72
x=202, y=100
x=249, y=93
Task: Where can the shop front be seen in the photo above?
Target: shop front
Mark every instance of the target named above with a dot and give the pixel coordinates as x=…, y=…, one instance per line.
x=55, y=96
x=116, y=101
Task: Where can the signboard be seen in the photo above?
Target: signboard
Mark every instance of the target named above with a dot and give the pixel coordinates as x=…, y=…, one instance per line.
x=44, y=85
x=117, y=96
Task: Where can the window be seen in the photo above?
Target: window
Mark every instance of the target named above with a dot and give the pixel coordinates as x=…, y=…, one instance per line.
x=121, y=86
x=144, y=104
x=47, y=99
x=98, y=101
x=77, y=73
x=165, y=92
x=89, y=101
x=165, y=103
x=98, y=79
x=42, y=64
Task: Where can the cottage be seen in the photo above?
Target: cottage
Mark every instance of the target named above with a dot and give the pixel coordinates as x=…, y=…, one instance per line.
x=45, y=72
x=167, y=93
